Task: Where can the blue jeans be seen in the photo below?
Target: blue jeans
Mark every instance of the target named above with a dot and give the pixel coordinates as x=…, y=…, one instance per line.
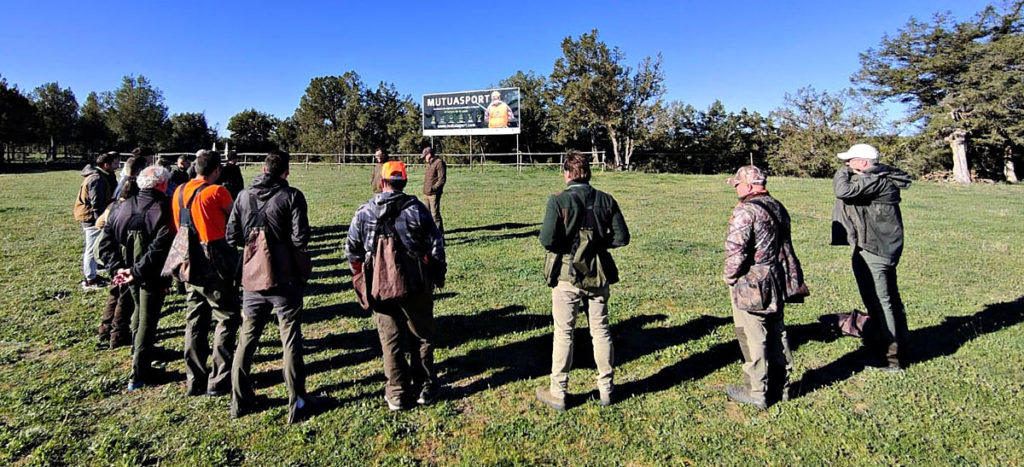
x=88, y=263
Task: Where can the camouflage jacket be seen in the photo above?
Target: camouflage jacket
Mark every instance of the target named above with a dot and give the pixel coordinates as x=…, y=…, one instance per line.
x=754, y=244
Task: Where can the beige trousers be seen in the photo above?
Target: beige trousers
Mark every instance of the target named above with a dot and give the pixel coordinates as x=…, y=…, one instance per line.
x=566, y=300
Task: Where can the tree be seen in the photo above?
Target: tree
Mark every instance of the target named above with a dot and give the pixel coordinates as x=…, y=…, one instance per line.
x=286, y=135
x=960, y=79
x=252, y=130
x=328, y=113
x=384, y=119
x=93, y=133
x=57, y=109
x=189, y=132
x=17, y=118
x=643, y=92
x=814, y=127
x=136, y=113
x=535, y=126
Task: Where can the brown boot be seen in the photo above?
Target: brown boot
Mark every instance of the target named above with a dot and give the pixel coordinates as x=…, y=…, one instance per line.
x=544, y=395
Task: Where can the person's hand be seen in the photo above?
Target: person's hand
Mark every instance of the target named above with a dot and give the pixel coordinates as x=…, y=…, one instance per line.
x=123, y=277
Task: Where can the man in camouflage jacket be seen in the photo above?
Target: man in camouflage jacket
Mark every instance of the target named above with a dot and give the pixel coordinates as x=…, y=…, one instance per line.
x=757, y=278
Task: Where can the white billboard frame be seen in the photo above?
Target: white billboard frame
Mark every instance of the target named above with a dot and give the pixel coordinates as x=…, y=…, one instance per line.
x=471, y=131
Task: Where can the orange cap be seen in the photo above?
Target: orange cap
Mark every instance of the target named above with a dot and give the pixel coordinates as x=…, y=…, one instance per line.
x=393, y=170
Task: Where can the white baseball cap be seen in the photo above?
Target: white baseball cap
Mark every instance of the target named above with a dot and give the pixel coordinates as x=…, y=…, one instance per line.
x=860, y=151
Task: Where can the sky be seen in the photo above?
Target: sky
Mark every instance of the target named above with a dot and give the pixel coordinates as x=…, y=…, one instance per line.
x=223, y=57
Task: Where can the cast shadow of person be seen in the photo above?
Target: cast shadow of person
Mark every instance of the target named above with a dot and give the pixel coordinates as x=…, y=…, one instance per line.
x=924, y=344
x=633, y=338
x=492, y=227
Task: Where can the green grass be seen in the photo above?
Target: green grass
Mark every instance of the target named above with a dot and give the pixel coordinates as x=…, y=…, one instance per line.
x=962, y=401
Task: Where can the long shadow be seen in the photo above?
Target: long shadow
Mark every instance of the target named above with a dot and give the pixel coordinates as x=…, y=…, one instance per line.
x=358, y=346
x=320, y=233
x=923, y=344
x=531, y=358
x=493, y=238
x=503, y=226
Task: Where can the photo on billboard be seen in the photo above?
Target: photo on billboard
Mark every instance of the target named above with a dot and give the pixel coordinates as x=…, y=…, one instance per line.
x=483, y=112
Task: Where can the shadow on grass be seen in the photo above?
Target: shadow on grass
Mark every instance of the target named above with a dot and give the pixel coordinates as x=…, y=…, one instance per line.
x=493, y=238
x=492, y=227
x=923, y=344
x=326, y=233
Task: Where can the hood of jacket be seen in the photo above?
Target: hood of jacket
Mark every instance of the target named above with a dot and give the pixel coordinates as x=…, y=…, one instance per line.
x=89, y=170
x=899, y=178
x=266, y=185
x=388, y=203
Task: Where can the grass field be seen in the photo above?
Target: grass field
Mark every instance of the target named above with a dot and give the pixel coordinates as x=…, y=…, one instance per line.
x=961, y=401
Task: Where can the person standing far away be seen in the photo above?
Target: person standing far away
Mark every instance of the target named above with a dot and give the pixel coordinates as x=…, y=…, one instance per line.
x=498, y=114
x=380, y=157
x=231, y=175
x=180, y=174
x=580, y=225
x=397, y=258
x=434, y=178
x=96, y=192
x=279, y=211
x=136, y=240
x=758, y=232
x=867, y=216
x=213, y=295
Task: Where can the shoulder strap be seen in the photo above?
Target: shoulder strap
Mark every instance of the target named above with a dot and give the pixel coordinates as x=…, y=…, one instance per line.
x=185, y=210
x=783, y=234
x=587, y=204
x=257, y=211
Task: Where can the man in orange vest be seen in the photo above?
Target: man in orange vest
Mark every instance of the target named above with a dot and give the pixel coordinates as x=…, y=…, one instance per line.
x=498, y=114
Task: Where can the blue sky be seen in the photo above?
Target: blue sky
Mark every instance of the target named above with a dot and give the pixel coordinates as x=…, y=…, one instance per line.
x=224, y=57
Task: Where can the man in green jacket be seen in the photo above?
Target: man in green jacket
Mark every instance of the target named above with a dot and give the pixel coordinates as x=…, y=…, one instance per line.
x=867, y=216
x=567, y=222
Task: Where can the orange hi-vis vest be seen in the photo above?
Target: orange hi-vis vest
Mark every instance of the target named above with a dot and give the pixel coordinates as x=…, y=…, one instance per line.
x=498, y=117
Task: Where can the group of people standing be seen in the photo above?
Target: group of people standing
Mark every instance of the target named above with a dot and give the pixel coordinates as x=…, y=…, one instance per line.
x=153, y=231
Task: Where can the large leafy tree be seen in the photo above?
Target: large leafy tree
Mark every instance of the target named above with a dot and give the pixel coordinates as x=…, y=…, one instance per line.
x=286, y=135
x=136, y=113
x=189, y=132
x=92, y=133
x=17, y=119
x=58, y=113
x=388, y=120
x=328, y=115
x=252, y=130
x=814, y=127
x=961, y=80
x=535, y=125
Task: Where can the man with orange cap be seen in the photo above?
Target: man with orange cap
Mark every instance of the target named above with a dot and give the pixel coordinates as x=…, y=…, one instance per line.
x=396, y=254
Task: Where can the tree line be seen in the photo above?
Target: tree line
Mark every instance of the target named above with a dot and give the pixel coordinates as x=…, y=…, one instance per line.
x=961, y=81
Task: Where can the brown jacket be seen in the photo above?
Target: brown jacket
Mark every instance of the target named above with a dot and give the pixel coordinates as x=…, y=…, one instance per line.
x=435, y=177
x=375, y=177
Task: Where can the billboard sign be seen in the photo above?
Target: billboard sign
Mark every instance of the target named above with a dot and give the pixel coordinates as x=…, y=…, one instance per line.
x=484, y=112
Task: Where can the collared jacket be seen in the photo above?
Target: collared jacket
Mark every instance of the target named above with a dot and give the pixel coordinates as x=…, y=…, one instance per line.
x=564, y=216
x=758, y=245
x=96, y=193
x=434, y=177
x=867, y=210
x=285, y=222
x=414, y=225
x=155, y=226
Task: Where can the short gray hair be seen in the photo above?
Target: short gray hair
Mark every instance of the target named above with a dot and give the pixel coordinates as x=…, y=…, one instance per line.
x=152, y=177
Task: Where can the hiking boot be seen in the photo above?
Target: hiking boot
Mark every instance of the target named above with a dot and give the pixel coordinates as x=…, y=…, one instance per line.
x=428, y=395
x=90, y=285
x=544, y=395
x=393, y=406
x=311, y=405
x=740, y=395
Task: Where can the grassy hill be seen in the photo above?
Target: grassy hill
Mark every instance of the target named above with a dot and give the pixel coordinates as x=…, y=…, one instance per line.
x=961, y=400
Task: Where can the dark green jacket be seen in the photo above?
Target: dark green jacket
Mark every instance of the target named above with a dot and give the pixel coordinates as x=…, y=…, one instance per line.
x=564, y=216
x=867, y=210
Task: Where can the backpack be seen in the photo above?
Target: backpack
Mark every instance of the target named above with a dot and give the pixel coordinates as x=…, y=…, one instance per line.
x=186, y=259
x=591, y=266
x=257, y=263
x=394, y=272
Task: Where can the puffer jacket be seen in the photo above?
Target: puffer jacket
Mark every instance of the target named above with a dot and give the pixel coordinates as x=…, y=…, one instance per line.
x=867, y=210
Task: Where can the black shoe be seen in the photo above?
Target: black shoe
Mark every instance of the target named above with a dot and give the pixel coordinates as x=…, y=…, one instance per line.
x=241, y=410
x=740, y=395
x=217, y=392
x=428, y=395
x=311, y=405
x=544, y=395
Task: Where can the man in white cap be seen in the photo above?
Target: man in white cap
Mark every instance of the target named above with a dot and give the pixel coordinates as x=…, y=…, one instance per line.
x=867, y=216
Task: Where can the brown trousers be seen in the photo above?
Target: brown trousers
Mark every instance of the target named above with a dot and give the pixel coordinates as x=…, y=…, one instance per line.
x=115, y=324
x=407, y=325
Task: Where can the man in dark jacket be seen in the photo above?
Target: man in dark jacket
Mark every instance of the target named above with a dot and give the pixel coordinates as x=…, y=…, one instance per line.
x=136, y=240
x=96, y=192
x=434, y=177
x=231, y=175
x=380, y=157
x=566, y=215
x=180, y=174
x=867, y=216
x=758, y=230
x=404, y=324
x=280, y=210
